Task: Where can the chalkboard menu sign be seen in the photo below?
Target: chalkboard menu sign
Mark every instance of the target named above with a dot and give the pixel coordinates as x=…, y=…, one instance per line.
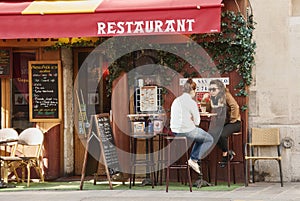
x=5, y=62
x=108, y=151
x=109, y=148
x=44, y=91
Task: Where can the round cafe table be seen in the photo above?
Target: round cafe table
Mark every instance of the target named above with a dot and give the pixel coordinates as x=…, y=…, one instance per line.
x=207, y=114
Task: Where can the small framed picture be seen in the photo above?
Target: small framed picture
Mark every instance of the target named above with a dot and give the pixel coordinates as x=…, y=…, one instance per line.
x=21, y=99
x=93, y=98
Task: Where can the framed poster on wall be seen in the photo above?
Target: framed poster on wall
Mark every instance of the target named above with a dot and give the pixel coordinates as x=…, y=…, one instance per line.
x=45, y=99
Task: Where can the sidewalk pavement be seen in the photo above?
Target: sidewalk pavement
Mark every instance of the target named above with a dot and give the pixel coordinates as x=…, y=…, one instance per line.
x=259, y=191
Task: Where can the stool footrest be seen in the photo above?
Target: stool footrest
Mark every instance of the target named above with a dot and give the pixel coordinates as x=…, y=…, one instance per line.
x=143, y=164
x=231, y=162
x=178, y=167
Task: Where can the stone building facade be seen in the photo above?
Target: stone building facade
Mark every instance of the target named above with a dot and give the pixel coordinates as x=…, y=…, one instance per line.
x=274, y=93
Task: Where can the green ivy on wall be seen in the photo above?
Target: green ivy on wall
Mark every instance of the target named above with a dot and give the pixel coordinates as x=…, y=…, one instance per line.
x=232, y=49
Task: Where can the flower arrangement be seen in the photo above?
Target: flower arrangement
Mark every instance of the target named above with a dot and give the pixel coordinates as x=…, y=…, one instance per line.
x=206, y=100
x=203, y=97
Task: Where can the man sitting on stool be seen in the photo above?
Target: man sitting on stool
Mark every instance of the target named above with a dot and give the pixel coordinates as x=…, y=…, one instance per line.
x=185, y=118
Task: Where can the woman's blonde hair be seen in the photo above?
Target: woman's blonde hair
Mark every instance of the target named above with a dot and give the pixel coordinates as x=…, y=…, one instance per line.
x=189, y=86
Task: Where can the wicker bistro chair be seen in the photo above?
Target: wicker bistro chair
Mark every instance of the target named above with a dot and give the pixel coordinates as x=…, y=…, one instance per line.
x=31, y=141
x=262, y=137
x=9, y=137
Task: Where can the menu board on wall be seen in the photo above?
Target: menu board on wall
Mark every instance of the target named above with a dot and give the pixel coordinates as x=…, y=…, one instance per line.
x=148, y=98
x=5, y=62
x=203, y=83
x=44, y=91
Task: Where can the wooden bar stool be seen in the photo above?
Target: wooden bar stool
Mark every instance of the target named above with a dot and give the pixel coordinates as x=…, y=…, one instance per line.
x=206, y=163
x=181, y=144
x=161, y=160
x=236, y=161
x=148, y=162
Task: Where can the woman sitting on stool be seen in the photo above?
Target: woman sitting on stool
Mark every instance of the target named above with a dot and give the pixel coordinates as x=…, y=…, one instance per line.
x=220, y=96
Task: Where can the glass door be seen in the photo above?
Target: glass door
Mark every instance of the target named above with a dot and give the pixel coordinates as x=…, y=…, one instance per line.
x=90, y=99
x=20, y=89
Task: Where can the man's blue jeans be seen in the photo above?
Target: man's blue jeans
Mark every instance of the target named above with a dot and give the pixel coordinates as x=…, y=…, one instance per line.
x=203, y=143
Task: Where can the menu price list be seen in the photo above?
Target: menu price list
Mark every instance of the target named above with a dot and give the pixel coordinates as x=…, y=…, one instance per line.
x=110, y=151
x=45, y=90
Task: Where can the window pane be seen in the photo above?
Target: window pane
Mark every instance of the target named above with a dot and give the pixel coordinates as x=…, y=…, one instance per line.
x=20, y=89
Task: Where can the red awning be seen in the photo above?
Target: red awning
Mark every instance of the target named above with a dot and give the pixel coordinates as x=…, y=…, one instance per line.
x=93, y=18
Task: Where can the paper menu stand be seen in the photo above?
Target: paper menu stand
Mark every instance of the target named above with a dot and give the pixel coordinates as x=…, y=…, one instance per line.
x=138, y=127
x=158, y=125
